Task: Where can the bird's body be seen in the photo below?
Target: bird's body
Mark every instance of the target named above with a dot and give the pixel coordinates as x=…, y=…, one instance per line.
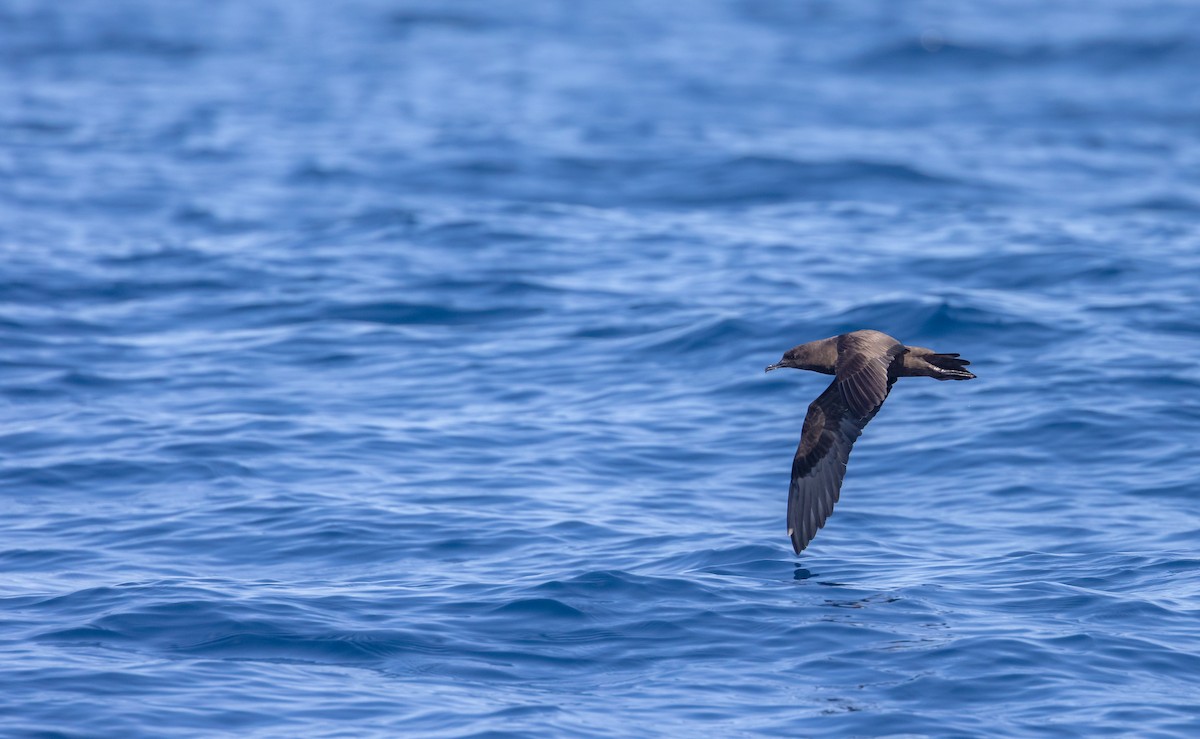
x=865, y=365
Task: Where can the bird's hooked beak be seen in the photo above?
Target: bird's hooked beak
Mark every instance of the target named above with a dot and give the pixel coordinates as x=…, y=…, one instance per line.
x=777, y=365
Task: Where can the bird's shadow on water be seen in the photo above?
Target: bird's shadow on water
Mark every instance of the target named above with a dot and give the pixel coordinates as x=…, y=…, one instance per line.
x=741, y=563
x=802, y=573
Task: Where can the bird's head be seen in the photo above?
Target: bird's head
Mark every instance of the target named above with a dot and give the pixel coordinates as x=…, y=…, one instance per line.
x=801, y=357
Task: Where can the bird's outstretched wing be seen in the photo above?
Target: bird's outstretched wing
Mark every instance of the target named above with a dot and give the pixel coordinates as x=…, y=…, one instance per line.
x=833, y=423
x=864, y=369
x=830, y=429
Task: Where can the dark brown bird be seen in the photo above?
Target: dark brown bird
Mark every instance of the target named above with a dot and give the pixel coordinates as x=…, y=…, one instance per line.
x=864, y=365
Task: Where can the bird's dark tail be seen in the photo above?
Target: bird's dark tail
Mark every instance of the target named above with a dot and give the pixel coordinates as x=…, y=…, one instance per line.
x=948, y=367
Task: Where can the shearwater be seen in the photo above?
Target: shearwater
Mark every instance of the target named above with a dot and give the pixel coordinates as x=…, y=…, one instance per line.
x=865, y=365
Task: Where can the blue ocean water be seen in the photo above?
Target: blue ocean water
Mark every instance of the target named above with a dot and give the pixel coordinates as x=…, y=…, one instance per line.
x=389, y=367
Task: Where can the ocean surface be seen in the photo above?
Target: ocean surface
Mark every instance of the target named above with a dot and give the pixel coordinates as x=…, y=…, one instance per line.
x=384, y=368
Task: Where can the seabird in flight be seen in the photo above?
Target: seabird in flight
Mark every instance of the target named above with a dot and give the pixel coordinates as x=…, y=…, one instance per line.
x=864, y=365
